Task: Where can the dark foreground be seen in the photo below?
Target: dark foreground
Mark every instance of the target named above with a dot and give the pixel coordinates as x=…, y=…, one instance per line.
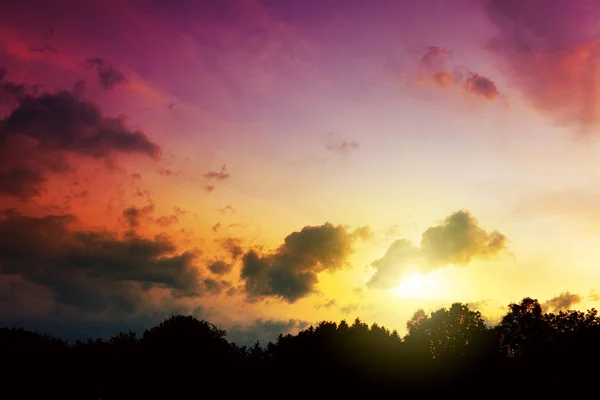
x=449, y=353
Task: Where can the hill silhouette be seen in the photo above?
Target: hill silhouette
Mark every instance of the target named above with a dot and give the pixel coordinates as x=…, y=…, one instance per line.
x=448, y=352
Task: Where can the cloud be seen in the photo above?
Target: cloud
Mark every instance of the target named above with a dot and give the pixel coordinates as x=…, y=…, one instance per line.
x=218, y=175
x=10, y=92
x=227, y=210
x=209, y=188
x=363, y=233
x=458, y=240
x=233, y=246
x=134, y=215
x=220, y=267
x=395, y=262
x=72, y=328
x=481, y=86
x=563, y=301
x=43, y=133
x=436, y=67
x=328, y=304
x=290, y=272
x=551, y=53
x=45, y=48
x=264, y=330
x=350, y=308
x=96, y=271
x=339, y=145
x=108, y=76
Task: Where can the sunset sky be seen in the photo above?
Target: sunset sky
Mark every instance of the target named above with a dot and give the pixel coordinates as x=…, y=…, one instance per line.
x=266, y=165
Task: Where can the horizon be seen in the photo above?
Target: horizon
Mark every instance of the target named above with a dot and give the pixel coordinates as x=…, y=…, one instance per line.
x=268, y=165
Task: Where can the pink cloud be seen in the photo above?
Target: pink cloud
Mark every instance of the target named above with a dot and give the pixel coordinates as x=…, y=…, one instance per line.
x=551, y=53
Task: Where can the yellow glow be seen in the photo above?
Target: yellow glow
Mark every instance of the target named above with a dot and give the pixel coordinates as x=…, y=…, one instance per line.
x=420, y=286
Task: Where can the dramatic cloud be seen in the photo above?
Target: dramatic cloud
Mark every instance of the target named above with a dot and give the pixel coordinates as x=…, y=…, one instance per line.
x=563, y=301
x=220, y=267
x=108, y=76
x=43, y=132
x=458, y=240
x=436, y=67
x=95, y=270
x=290, y=272
x=60, y=121
x=551, y=52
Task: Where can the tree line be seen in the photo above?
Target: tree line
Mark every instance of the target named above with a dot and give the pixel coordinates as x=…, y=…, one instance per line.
x=448, y=351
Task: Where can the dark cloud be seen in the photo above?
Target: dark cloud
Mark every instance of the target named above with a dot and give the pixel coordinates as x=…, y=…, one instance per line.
x=108, y=76
x=40, y=135
x=21, y=182
x=290, y=272
x=133, y=216
x=215, y=286
x=563, y=301
x=458, y=240
x=218, y=175
x=11, y=93
x=216, y=227
x=209, y=188
x=436, y=66
x=95, y=270
x=233, y=246
x=3, y=73
x=550, y=51
x=220, y=267
x=72, y=328
x=264, y=331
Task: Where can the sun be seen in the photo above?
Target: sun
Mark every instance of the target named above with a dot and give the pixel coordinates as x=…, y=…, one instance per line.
x=419, y=286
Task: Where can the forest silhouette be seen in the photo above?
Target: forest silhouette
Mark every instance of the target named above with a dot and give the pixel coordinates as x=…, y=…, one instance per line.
x=447, y=352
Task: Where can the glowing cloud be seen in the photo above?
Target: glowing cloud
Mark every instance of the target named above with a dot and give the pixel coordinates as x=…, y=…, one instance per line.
x=456, y=241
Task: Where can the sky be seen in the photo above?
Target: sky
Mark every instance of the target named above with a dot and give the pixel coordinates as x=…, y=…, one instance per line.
x=266, y=165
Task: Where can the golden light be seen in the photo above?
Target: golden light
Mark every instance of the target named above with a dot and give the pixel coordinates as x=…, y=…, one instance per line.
x=420, y=286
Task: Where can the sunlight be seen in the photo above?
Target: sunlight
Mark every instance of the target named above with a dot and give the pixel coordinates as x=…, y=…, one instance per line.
x=419, y=286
